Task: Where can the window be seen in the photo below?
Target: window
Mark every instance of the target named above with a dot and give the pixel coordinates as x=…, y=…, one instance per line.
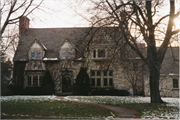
x=40, y=80
x=66, y=54
x=94, y=53
x=175, y=83
x=110, y=73
x=101, y=78
x=93, y=81
x=98, y=82
x=38, y=54
x=105, y=81
x=105, y=73
x=29, y=81
x=69, y=54
x=101, y=53
x=110, y=81
x=35, y=54
x=63, y=54
x=92, y=73
x=32, y=54
x=34, y=80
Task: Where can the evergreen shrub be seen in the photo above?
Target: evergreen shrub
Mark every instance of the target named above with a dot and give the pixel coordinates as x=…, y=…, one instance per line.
x=82, y=83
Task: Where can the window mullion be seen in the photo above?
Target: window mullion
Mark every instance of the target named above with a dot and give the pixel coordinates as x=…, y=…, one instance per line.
x=31, y=80
x=101, y=78
x=38, y=80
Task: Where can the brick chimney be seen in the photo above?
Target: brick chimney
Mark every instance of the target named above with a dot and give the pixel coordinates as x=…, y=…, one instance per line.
x=23, y=24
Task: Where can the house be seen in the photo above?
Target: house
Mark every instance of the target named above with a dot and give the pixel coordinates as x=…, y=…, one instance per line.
x=169, y=75
x=62, y=51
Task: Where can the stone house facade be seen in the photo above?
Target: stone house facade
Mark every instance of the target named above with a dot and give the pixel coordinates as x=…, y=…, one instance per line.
x=169, y=76
x=63, y=51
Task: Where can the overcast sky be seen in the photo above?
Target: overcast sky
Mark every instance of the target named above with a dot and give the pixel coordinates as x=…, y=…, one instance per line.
x=62, y=13
x=66, y=13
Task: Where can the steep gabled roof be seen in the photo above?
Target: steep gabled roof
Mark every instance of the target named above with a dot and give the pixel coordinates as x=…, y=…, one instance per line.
x=51, y=38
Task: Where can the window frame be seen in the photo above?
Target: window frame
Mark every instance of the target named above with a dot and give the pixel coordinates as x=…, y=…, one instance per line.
x=175, y=83
x=101, y=53
x=62, y=55
x=69, y=51
x=66, y=51
x=104, y=79
x=32, y=79
x=35, y=54
x=107, y=53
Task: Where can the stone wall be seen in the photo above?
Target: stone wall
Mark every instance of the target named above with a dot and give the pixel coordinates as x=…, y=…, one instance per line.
x=165, y=87
x=58, y=68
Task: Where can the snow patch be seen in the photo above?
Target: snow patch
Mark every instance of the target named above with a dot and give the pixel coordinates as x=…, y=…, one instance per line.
x=50, y=59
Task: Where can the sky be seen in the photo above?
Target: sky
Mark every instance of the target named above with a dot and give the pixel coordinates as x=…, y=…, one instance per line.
x=65, y=13
x=69, y=13
x=61, y=14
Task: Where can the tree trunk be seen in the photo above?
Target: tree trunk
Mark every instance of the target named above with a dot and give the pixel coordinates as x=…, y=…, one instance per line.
x=134, y=90
x=154, y=83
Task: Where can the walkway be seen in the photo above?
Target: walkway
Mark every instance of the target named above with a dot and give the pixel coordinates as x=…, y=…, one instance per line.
x=119, y=111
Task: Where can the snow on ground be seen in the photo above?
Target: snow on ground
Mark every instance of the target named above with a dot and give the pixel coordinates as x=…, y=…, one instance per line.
x=171, y=113
x=26, y=98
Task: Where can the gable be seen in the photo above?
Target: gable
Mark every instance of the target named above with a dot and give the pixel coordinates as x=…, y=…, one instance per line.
x=67, y=45
x=35, y=46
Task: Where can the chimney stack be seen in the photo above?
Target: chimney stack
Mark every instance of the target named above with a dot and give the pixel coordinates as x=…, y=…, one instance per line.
x=23, y=24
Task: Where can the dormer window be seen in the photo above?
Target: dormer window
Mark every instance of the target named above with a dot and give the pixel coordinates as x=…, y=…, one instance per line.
x=32, y=54
x=38, y=54
x=101, y=53
x=69, y=54
x=63, y=54
x=35, y=54
x=36, y=50
x=67, y=50
x=66, y=54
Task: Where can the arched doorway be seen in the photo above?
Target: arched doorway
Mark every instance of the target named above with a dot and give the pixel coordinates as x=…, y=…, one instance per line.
x=66, y=83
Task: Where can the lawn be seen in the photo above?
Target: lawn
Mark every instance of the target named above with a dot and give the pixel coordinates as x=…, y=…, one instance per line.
x=142, y=105
x=24, y=107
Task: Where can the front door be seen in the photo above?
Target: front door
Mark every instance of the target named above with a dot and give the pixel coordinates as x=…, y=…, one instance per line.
x=66, y=84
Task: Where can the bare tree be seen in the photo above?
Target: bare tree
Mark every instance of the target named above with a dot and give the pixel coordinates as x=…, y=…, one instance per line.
x=11, y=11
x=139, y=21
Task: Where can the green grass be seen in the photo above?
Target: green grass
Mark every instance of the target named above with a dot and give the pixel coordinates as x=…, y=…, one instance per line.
x=54, y=108
x=141, y=105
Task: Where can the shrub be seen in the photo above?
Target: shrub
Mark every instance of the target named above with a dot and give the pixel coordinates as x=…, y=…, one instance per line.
x=47, y=83
x=82, y=84
x=113, y=92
